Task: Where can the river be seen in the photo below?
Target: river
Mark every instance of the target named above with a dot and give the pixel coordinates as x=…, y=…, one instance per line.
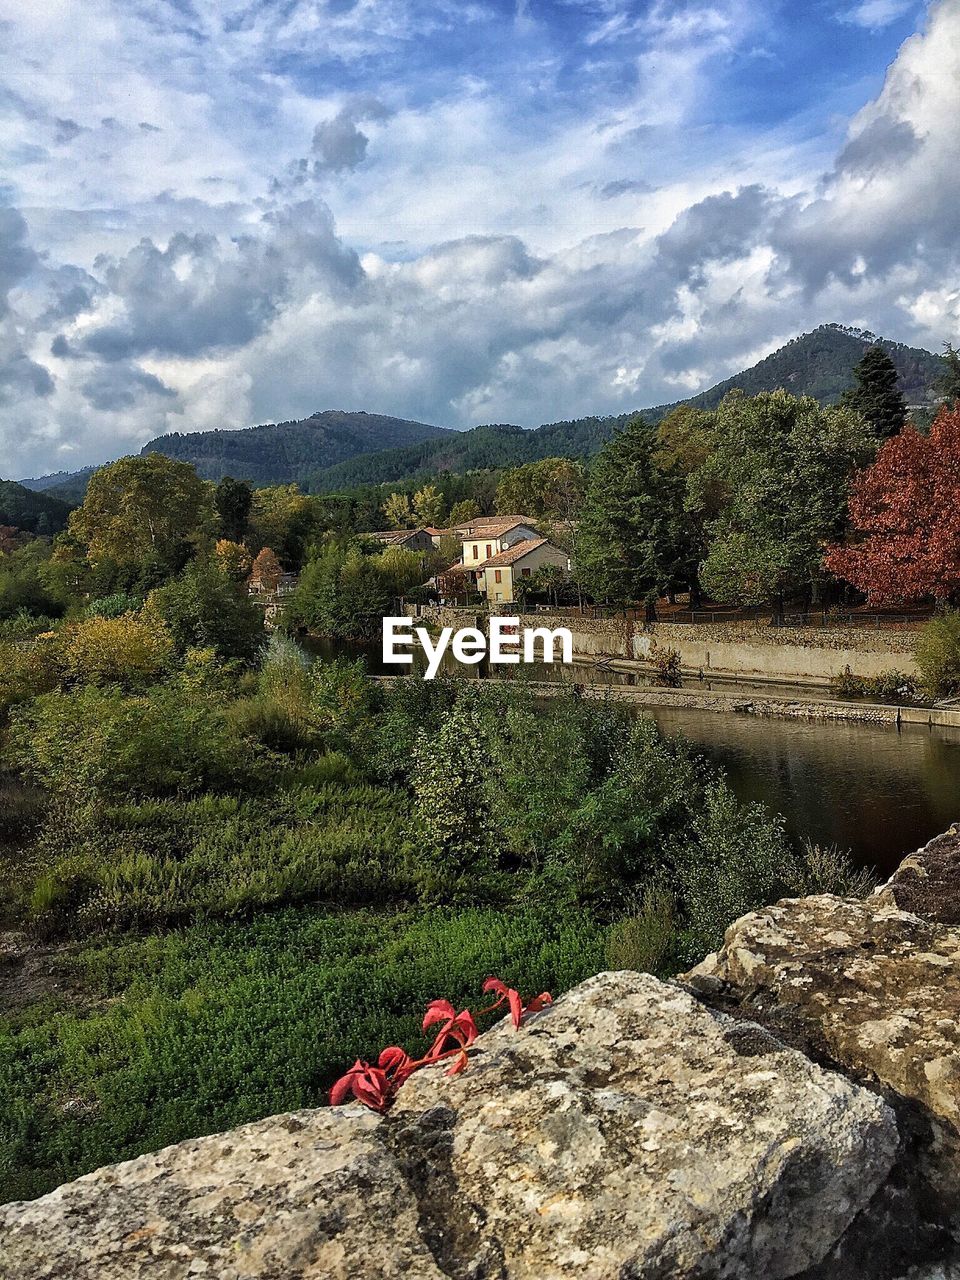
x=875, y=790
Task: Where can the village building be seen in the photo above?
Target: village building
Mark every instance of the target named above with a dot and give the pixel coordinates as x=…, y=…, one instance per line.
x=488, y=536
x=498, y=576
x=409, y=539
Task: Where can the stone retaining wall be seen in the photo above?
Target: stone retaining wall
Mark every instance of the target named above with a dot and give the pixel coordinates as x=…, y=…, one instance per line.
x=743, y=648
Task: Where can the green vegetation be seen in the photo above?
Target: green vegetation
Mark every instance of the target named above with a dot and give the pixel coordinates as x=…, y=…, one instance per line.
x=938, y=655
x=246, y=876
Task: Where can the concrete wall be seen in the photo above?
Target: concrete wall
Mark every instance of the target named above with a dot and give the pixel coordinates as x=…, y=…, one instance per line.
x=810, y=653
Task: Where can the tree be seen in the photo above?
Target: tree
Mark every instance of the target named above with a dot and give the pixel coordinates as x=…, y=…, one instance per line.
x=630, y=544
x=906, y=518
x=400, y=569
x=463, y=512
x=398, y=511
x=203, y=608
x=948, y=384
x=876, y=395
x=428, y=506
x=232, y=500
x=782, y=468
x=233, y=559
x=552, y=488
x=285, y=519
x=267, y=571
x=148, y=509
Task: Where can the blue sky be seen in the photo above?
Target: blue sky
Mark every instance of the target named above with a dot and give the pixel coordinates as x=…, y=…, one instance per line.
x=214, y=213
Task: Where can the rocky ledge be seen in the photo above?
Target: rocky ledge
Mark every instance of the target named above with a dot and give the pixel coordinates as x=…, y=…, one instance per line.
x=790, y=1108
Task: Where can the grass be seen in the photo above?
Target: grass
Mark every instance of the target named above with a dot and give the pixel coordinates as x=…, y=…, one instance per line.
x=207, y=1027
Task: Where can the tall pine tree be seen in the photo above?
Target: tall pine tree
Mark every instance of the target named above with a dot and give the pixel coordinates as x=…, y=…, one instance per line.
x=631, y=543
x=876, y=395
x=948, y=384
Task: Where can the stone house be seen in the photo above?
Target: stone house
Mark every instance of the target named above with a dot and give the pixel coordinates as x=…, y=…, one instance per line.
x=498, y=576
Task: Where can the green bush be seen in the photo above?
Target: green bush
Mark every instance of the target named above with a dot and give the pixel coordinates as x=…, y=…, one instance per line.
x=93, y=743
x=938, y=655
x=645, y=941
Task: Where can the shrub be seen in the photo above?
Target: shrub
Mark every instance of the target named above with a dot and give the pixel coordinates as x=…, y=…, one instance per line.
x=92, y=743
x=891, y=686
x=113, y=606
x=938, y=655
x=27, y=670
x=204, y=608
x=666, y=666
x=644, y=941
x=126, y=650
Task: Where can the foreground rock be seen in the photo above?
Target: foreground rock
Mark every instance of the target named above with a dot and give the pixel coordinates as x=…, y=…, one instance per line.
x=627, y=1133
x=869, y=988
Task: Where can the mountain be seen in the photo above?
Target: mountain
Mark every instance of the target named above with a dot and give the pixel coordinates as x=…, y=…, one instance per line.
x=475, y=450
x=335, y=450
x=35, y=512
x=285, y=452
x=68, y=486
x=820, y=364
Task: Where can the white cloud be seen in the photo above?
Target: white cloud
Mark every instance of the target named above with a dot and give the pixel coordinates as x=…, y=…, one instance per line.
x=475, y=271
x=875, y=14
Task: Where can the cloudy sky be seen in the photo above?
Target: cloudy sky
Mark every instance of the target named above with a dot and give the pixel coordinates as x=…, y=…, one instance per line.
x=221, y=212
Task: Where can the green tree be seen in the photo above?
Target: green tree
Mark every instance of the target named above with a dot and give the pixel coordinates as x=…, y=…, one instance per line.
x=948, y=384
x=232, y=500
x=204, y=608
x=285, y=519
x=398, y=511
x=142, y=510
x=876, y=395
x=631, y=543
x=783, y=466
x=552, y=488
x=400, y=569
x=428, y=505
x=463, y=512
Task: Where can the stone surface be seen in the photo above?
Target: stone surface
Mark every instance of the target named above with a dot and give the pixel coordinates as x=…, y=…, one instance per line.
x=627, y=1133
x=928, y=882
x=864, y=986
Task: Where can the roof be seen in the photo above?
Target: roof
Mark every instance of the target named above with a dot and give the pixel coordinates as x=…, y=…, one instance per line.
x=516, y=552
x=493, y=528
x=396, y=535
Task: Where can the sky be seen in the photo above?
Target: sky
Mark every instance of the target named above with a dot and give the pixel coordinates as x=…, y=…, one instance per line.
x=215, y=213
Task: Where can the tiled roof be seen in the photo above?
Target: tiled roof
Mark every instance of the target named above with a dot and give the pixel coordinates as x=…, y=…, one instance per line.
x=493, y=529
x=396, y=535
x=514, y=553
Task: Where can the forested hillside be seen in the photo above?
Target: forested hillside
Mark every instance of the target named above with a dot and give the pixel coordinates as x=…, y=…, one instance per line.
x=35, y=512
x=820, y=364
x=285, y=452
x=334, y=451
x=481, y=448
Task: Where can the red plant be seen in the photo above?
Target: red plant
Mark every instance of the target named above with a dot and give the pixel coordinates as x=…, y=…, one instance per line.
x=376, y=1087
x=906, y=519
x=518, y=1010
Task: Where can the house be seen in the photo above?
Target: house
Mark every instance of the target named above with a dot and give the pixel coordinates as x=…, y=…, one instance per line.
x=456, y=583
x=409, y=539
x=497, y=577
x=488, y=536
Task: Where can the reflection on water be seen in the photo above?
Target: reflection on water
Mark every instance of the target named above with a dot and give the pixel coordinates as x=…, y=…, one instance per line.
x=868, y=788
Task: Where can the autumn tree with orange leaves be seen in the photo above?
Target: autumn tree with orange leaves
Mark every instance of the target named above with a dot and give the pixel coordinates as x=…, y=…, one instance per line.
x=905, y=518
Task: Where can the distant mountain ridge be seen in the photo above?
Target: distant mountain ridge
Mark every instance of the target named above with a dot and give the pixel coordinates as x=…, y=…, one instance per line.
x=336, y=449
x=23, y=508
x=283, y=452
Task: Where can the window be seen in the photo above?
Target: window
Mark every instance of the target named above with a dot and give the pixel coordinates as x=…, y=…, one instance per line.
x=489, y=552
x=476, y=552
x=526, y=572
x=497, y=575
